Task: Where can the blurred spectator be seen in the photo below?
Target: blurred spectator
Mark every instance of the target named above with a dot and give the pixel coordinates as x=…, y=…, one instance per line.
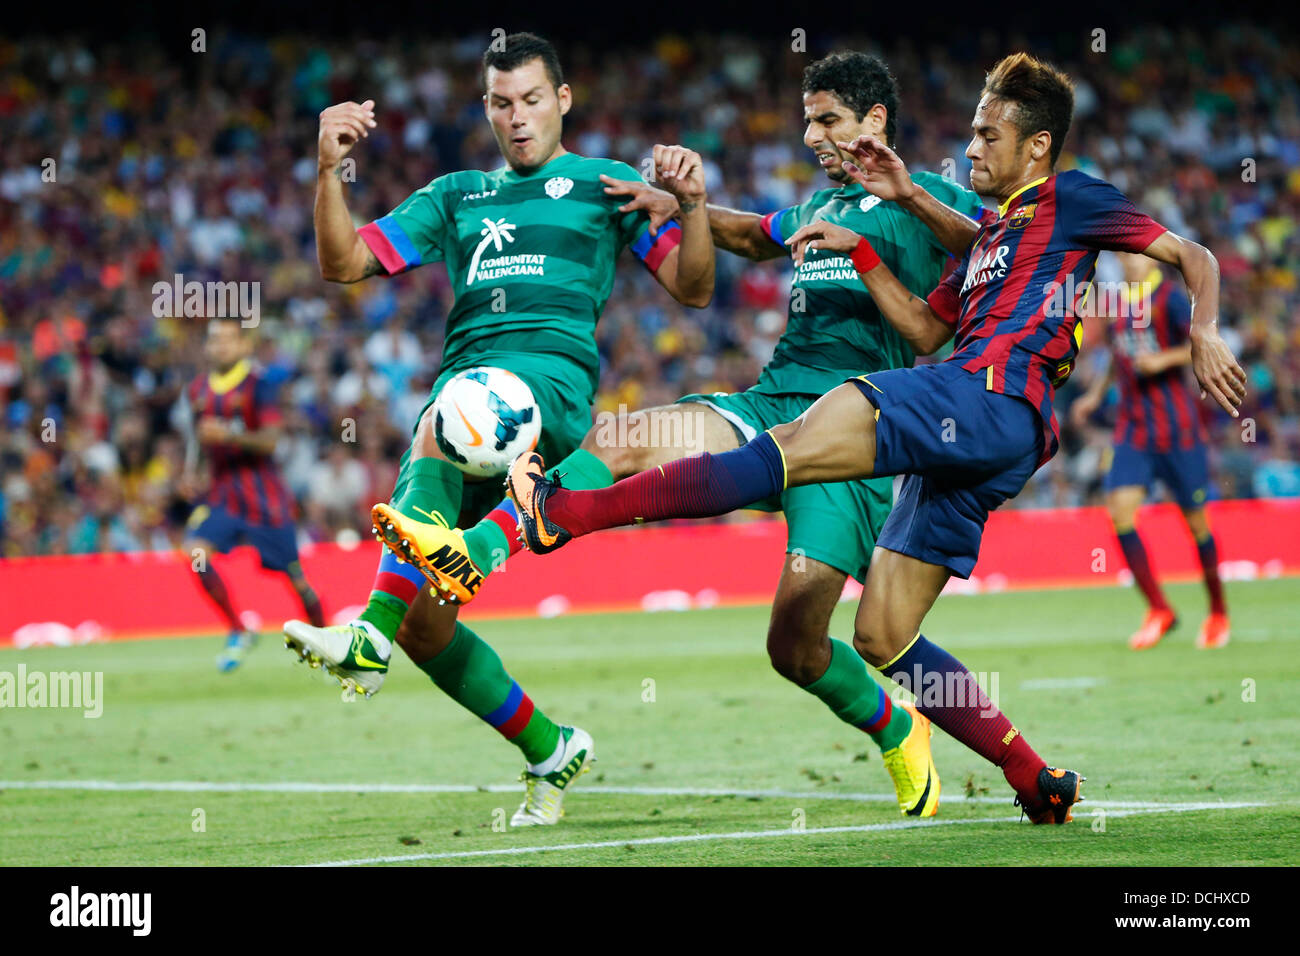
x=204, y=168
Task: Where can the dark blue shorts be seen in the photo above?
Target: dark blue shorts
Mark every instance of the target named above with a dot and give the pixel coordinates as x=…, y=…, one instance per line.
x=1185, y=472
x=277, y=545
x=963, y=451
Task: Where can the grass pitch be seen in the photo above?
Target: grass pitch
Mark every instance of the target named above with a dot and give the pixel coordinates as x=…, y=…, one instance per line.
x=706, y=756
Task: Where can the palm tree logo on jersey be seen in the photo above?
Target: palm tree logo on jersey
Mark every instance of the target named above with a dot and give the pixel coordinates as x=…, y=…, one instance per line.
x=493, y=233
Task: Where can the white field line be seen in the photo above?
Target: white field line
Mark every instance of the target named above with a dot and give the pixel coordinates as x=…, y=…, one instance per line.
x=214, y=786
x=1061, y=683
x=750, y=835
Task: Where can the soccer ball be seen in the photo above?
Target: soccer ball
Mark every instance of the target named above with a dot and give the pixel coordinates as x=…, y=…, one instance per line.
x=484, y=418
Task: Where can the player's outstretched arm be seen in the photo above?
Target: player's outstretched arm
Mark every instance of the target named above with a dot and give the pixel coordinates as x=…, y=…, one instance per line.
x=1153, y=363
x=1216, y=368
x=879, y=170
x=687, y=272
x=342, y=255
x=911, y=315
x=732, y=230
x=742, y=233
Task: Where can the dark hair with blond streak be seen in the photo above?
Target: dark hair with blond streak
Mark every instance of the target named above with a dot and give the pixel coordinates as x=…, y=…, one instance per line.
x=1044, y=96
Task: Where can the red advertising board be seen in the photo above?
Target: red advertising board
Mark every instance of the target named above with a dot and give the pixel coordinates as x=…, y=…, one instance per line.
x=117, y=596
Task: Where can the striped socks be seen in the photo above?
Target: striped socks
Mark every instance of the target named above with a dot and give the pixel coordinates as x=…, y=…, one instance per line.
x=1208, y=552
x=851, y=693
x=1135, y=553
x=949, y=695
x=697, y=487
x=472, y=674
x=496, y=537
x=427, y=489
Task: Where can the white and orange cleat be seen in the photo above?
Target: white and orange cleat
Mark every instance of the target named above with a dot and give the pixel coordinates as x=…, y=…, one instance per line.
x=1214, y=632
x=1157, y=623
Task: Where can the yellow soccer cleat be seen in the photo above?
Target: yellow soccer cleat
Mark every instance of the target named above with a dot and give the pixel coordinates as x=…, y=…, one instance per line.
x=438, y=552
x=911, y=765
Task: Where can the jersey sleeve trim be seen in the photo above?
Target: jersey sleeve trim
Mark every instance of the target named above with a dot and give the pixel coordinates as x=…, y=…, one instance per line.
x=652, y=248
x=773, y=224
x=391, y=245
x=945, y=300
x=945, y=303
x=1139, y=241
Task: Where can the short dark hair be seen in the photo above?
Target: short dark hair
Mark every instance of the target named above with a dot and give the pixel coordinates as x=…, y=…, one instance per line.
x=860, y=80
x=518, y=49
x=1044, y=96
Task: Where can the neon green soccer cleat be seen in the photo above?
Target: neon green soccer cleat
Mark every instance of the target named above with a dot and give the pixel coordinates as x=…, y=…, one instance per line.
x=544, y=793
x=345, y=650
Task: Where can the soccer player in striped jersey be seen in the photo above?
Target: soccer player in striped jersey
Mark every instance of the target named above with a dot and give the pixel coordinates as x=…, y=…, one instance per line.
x=833, y=330
x=966, y=433
x=231, y=416
x=1159, y=433
x=530, y=250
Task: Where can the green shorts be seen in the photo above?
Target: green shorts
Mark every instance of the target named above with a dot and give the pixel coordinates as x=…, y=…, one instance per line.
x=836, y=523
x=564, y=395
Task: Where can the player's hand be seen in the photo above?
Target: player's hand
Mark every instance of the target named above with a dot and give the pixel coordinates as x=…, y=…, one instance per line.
x=341, y=127
x=1148, y=363
x=1082, y=410
x=878, y=169
x=680, y=171
x=212, y=431
x=1216, y=368
x=821, y=235
x=662, y=206
x=187, y=486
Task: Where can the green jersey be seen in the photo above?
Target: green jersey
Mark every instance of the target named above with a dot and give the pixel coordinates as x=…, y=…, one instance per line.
x=531, y=256
x=834, y=330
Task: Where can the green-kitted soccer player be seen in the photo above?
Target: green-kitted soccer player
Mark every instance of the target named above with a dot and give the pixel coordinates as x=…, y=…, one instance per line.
x=834, y=331
x=530, y=249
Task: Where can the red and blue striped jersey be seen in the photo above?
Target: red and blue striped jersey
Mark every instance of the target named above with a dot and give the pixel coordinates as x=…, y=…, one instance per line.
x=244, y=483
x=1015, y=298
x=1156, y=412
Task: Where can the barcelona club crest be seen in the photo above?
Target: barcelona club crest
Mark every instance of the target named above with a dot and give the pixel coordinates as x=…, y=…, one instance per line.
x=1022, y=216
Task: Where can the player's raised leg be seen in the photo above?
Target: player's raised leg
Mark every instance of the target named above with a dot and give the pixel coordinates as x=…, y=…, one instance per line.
x=833, y=441
x=1214, y=630
x=458, y=562
x=899, y=592
x=802, y=651
x=470, y=672
x=357, y=653
x=1123, y=502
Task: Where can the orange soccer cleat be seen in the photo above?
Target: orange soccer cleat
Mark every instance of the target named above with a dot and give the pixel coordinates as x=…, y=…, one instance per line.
x=1214, y=632
x=1157, y=623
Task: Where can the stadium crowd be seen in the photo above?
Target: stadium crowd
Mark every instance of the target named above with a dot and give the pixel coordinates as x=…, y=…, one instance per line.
x=122, y=166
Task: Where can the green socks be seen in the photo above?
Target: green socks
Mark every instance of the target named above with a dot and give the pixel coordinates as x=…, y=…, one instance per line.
x=855, y=698
x=472, y=674
x=494, y=539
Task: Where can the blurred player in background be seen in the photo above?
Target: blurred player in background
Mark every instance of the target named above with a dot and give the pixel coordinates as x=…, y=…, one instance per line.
x=230, y=416
x=530, y=249
x=833, y=331
x=966, y=433
x=1159, y=433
